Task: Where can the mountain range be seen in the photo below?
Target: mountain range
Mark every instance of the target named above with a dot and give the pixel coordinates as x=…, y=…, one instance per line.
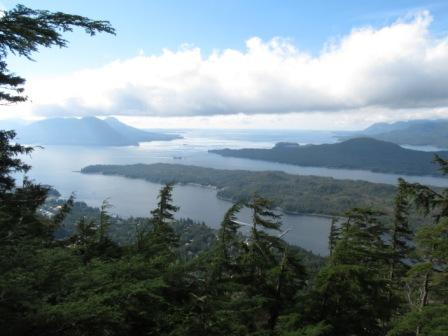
x=87, y=131
x=360, y=153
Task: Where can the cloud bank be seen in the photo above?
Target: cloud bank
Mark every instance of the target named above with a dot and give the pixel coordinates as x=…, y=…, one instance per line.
x=400, y=66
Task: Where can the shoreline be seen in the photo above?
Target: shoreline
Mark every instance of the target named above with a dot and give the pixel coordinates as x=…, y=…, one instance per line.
x=217, y=189
x=399, y=174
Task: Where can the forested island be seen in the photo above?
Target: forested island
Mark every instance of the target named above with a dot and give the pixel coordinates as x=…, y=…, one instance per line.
x=292, y=193
x=360, y=153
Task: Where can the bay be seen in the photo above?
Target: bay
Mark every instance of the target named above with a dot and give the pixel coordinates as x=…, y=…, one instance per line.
x=59, y=167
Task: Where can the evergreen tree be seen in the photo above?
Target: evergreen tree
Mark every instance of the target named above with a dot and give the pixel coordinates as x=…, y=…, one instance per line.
x=162, y=239
x=350, y=294
x=273, y=272
x=334, y=235
x=228, y=247
x=362, y=240
x=426, y=281
x=104, y=221
x=18, y=204
x=33, y=270
x=400, y=238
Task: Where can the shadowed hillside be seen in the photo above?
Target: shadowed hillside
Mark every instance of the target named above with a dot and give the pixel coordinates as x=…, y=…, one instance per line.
x=359, y=153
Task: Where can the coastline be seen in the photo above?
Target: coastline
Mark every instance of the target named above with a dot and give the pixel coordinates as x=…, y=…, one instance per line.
x=217, y=189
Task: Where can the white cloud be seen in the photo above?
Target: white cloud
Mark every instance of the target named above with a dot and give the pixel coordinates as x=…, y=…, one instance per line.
x=401, y=66
x=344, y=120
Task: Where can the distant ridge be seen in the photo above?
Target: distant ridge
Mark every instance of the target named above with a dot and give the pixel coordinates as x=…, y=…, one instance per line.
x=137, y=134
x=360, y=153
x=87, y=131
x=414, y=132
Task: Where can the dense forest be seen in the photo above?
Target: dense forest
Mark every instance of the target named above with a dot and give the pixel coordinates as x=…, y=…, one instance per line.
x=292, y=193
x=381, y=278
x=359, y=153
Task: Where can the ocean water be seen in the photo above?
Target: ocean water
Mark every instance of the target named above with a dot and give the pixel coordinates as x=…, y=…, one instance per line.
x=59, y=167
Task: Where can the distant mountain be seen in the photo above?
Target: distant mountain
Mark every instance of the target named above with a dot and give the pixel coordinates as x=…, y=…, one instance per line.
x=137, y=134
x=414, y=132
x=379, y=128
x=88, y=131
x=359, y=153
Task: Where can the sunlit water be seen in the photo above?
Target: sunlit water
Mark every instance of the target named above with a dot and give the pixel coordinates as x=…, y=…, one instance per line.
x=59, y=166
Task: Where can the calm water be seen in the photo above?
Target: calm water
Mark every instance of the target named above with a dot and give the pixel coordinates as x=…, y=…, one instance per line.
x=59, y=166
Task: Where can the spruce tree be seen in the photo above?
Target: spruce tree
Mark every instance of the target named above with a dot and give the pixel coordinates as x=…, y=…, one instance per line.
x=350, y=294
x=401, y=237
x=228, y=247
x=334, y=234
x=162, y=239
x=426, y=281
x=274, y=272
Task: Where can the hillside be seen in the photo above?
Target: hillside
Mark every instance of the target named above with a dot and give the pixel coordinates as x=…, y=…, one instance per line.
x=359, y=153
x=88, y=131
x=292, y=193
x=414, y=132
x=137, y=134
x=429, y=133
x=379, y=128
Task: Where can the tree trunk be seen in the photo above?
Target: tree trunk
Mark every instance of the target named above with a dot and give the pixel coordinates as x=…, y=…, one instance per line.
x=424, y=298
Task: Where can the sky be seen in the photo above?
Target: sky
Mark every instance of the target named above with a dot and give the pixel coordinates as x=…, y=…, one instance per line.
x=244, y=64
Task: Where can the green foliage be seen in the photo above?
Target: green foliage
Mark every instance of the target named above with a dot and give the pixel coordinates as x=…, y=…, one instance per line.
x=351, y=294
x=401, y=234
x=352, y=299
x=63, y=211
x=320, y=329
x=361, y=239
x=9, y=161
x=162, y=240
x=430, y=321
x=228, y=248
x=426, y=284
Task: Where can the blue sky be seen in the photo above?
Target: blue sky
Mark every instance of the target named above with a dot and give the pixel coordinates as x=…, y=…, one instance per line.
x=152, y=25
x=149, y=27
